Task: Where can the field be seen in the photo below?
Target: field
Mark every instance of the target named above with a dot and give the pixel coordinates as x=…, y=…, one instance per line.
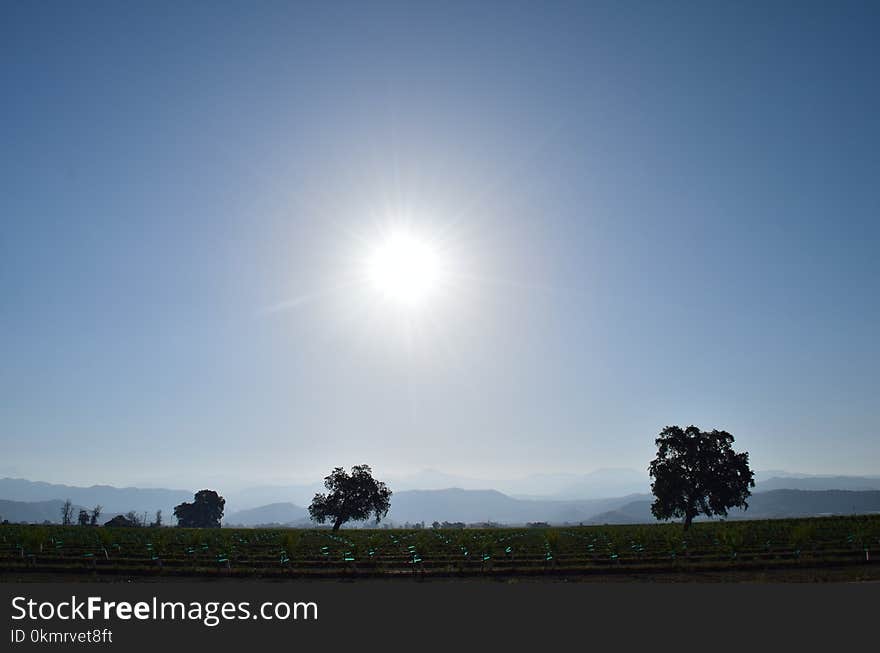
x=828, y=548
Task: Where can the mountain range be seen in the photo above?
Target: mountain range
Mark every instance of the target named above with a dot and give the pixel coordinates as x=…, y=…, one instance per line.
x=112, y=499
x=560, y=498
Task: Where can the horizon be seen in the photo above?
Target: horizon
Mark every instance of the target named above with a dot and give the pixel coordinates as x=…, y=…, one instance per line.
x=495, y=240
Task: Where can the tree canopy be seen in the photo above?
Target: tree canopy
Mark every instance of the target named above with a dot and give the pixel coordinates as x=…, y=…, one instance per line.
x=353, y=496
x=121, y=521
x=698, y=472
x=205, y=511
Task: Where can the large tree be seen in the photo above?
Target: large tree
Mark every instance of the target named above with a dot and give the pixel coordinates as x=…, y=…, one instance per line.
x=698, y=472
x=205, y=511
x=353, y=496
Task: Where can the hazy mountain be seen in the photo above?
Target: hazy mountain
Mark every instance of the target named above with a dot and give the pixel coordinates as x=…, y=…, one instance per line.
x=33, y=511
x=819, y=483
x=274, y=513
x=631, y=513
x=36, y=512
x=577, y=498
x=453, y=505
x=602, y=483
x=767, y=505
x=456, y=504
x=806, y=503
x=432, y=479
x=113, y=499
x=252, y=497
x=612, y=482
x=607, y=483
x=472, y=506
x=593, y=485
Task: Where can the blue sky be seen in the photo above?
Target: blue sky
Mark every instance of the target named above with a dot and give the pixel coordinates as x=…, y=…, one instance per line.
x=656, y=213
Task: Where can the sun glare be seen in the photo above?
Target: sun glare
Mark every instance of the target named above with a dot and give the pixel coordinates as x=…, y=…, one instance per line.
x=405, y=269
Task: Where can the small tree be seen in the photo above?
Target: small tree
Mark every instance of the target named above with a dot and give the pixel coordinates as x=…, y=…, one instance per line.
x=96, y=514
x=134, y=518
x=67, y=513
x=351, y=497
x=83, y=517
x=158, y=522
x=205, y=511
x=121, y=521
x=697, y=472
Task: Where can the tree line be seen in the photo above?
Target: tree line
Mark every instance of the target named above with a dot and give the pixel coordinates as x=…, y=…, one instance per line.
x=91, y=517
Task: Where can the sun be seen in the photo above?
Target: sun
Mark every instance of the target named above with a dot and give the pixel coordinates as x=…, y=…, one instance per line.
x=405, y=269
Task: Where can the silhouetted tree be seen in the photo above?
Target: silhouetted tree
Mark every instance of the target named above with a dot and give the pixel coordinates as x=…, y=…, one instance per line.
x=351, y=497
x=96, y=514
x=697, y=472
x=205, y=511
x=67, y=513
x=134, y=518
x=83, y=517
x=158, y=522
x=121, y=521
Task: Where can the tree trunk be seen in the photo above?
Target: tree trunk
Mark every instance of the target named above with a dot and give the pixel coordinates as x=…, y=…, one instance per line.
x=339, y=521
x=688, y=518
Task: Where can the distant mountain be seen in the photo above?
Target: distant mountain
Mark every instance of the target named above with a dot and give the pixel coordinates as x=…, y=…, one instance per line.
x=574, y=499
x=612, y=482
x=607, y=483
x=456, y=504
x=601, y=483
x=633, y=512
x=253, y=497
x=274, y=513
x=432, y=479
x=474, y=506
x=856, y=483
x=452, y=504
x=775, y=504
x=806, y=503
x=33, y=512
x=37, y=512
x=113, y=499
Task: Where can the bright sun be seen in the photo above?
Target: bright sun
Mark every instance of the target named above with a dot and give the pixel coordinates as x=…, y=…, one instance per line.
x=405, y=269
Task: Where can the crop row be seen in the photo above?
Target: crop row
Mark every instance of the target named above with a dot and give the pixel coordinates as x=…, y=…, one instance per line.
x=196, y=551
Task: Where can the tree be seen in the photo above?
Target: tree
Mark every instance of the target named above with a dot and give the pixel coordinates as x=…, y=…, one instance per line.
x=96, y=514
x=697, y=472
x=205, y=511
x=121, y=521
x=67, y=513
x=351, y=497
x=134, y=518
x=83, y=517
x=158, y=522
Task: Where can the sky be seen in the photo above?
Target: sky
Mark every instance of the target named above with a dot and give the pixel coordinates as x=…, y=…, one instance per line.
x=648, y=214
